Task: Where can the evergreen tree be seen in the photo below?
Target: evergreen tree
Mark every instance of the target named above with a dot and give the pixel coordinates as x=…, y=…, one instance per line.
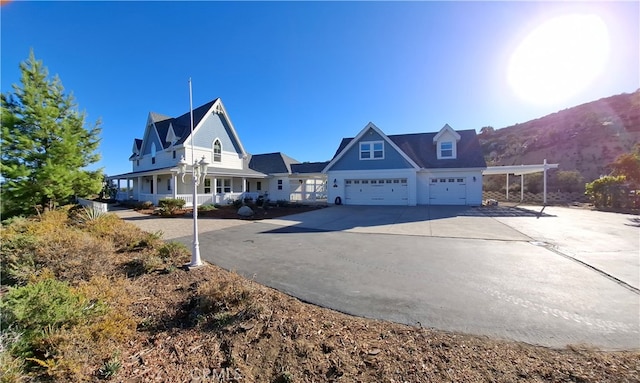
x=45, y=145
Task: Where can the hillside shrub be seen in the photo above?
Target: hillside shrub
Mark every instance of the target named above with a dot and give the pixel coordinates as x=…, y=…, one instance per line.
x=610, y=191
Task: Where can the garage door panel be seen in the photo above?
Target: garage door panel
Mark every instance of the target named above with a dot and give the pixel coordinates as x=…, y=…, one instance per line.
x=376, y=192
x=447, y=191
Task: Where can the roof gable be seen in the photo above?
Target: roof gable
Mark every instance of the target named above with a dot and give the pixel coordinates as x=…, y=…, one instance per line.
x=372, y=131
x=446, y=130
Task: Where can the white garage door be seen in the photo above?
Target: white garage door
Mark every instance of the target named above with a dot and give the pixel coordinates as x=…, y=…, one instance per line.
x=447, y=191
x=393, y=191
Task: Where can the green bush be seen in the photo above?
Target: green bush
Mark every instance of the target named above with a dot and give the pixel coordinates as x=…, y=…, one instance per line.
x=145, y=205
x=208, y=207
x=171, y=205
x=609, y=191
x=38, y=309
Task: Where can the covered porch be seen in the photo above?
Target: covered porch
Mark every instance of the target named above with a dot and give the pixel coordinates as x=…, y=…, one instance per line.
x=220, y=186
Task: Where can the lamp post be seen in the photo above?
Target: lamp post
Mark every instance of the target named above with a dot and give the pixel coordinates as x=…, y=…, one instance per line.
x=198, y=173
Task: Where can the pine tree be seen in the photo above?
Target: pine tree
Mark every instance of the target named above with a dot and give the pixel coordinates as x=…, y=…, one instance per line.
x=45, y=145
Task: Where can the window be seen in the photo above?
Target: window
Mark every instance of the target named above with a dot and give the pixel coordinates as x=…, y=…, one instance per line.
x=153, y=153
x=258, y=185
x=372, y=150
x=452, y=180
x=169, y=184
x=217, y=151
x=348, y=182
x=174, y=154
x=446, y=149
x=137, y=162
x=153, y=160
x=207, y=186
x=279, y=184
x=460, y=180
x=223, y=185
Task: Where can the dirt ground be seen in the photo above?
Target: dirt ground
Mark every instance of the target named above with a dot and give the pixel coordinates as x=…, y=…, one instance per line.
x=210, y=325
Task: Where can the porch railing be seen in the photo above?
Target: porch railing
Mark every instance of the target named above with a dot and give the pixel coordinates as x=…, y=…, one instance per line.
x=203, y=199
x=308, y=197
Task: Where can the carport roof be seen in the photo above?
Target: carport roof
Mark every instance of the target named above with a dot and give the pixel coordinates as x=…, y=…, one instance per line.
x=518, y=169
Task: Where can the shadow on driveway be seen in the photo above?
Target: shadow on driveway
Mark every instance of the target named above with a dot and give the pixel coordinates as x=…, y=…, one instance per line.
x=409, y=220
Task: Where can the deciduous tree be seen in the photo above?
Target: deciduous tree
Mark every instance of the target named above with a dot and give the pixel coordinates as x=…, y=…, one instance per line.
x=45, y=144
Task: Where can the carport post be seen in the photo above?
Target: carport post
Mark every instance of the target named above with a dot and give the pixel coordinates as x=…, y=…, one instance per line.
x=544, y=184
x=521, y=187
x=507, y=186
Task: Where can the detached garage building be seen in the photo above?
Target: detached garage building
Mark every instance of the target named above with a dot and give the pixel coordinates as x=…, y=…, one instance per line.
x=440, y=168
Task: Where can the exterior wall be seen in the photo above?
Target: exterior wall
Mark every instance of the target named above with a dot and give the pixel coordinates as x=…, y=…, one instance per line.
x=274, y=193
x=338, y=177
x=215, y=126
x=473, y=188
x=351, y=159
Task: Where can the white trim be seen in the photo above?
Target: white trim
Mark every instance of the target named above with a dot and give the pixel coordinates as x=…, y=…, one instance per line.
x=371, y=150
x=358, y=137
x=213, y=150
x=446, y=128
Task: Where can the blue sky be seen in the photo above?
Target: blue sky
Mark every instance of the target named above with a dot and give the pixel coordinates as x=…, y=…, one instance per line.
x=296, y=77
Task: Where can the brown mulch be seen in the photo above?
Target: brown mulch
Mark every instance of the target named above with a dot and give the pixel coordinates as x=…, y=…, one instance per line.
x=230, y=212
x=208, y=324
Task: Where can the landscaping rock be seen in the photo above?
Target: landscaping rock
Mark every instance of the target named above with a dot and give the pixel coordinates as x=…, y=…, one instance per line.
x=245, y=211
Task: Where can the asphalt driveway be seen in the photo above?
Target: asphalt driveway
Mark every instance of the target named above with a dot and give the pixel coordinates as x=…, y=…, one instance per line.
x=557, y=277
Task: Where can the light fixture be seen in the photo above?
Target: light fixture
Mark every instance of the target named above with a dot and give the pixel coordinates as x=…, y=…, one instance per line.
x=198, y=173
x=335, y=183
x=474, y=178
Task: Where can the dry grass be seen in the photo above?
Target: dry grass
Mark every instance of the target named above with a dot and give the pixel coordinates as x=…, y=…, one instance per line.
x=163, y=323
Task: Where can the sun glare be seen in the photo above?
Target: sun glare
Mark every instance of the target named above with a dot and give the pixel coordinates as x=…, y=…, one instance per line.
x=559, y=59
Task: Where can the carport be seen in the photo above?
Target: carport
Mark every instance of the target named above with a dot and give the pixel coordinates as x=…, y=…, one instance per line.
x=521, y=170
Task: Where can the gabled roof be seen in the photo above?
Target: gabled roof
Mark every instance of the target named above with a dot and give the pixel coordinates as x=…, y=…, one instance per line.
x=272, y=163
x=420, y=148
x=308, y=167
x=346, y=144
x=446, y=128
x=182, y=125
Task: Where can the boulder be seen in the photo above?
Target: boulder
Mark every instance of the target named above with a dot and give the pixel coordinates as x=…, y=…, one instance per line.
x=245, y=211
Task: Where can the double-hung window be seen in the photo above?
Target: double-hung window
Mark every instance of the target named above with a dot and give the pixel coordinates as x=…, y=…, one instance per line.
x=223, y=185
x=372, y=150
x=446, y=149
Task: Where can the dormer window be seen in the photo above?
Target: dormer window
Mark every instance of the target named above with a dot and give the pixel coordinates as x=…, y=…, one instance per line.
x=372, y=150
x=446, y=149
x=217, y=151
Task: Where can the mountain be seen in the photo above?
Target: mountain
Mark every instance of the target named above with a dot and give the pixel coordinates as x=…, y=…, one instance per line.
x=586, y=138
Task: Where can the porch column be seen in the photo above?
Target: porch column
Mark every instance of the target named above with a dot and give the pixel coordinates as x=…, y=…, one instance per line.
x=215, y=190
x=244, y=184
x=174, y=185
x=155, y=188
x=129, y=191
x=521, y=187
x=507, y=186
x=138, y=188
